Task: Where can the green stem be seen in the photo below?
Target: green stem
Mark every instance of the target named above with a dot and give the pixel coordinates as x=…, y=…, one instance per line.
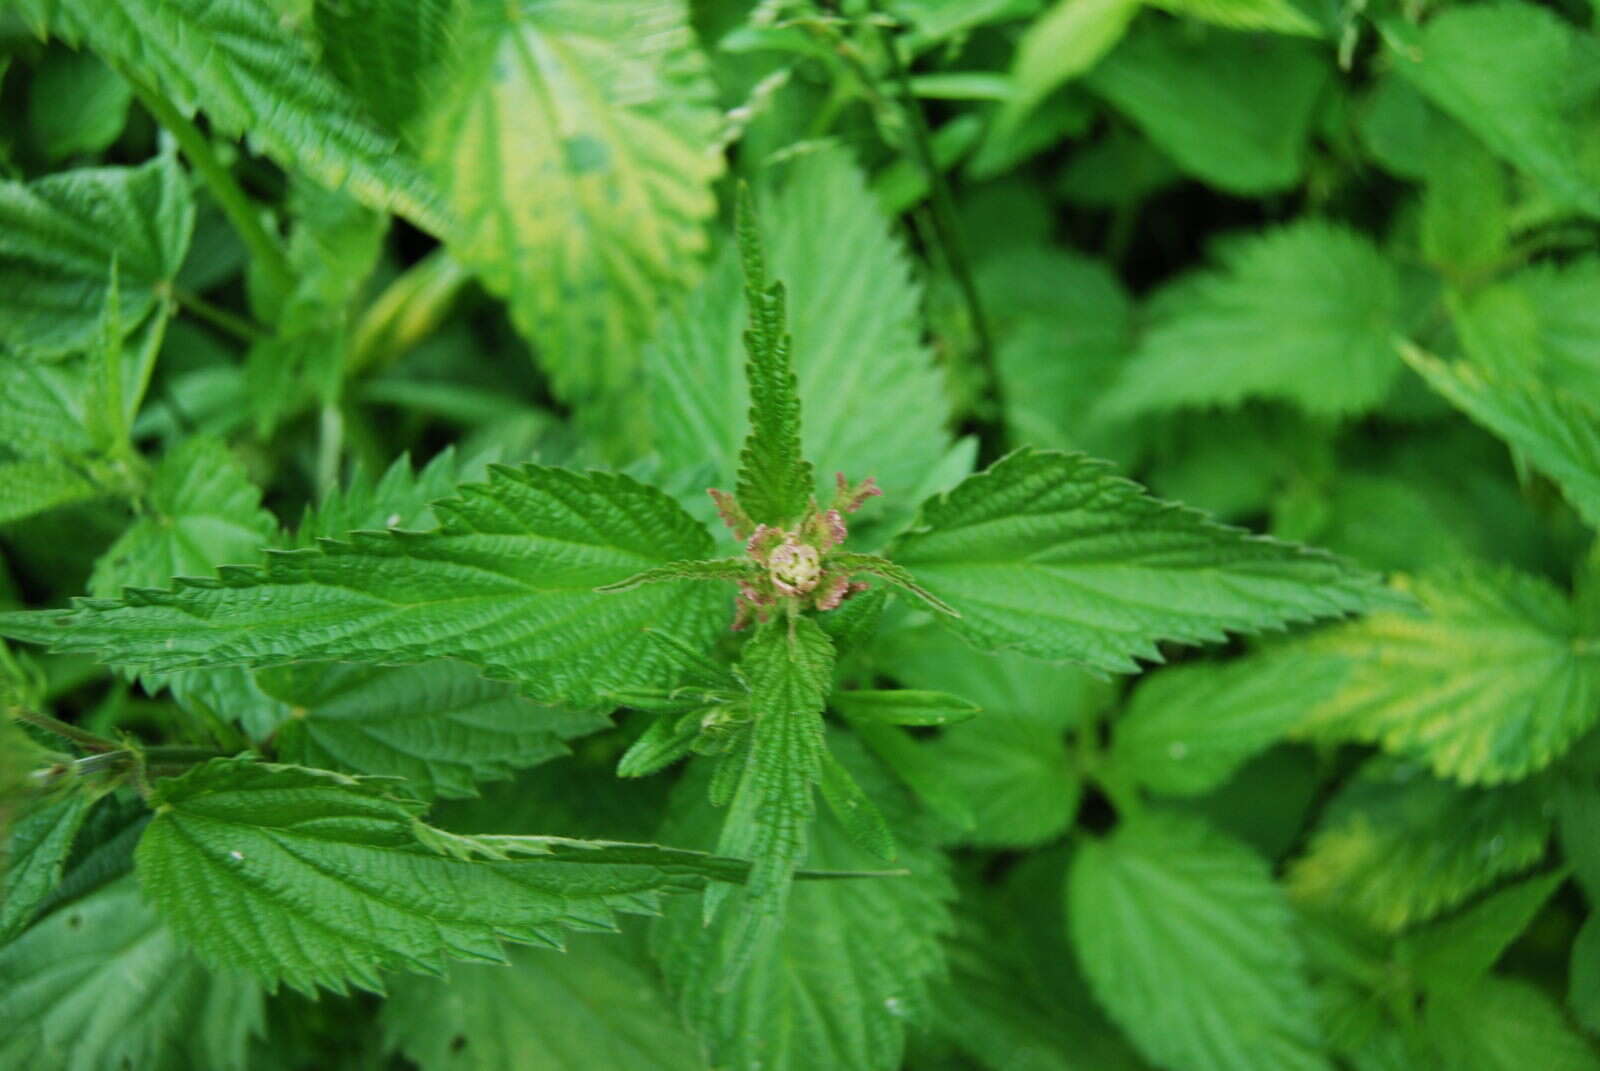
x=82, y=737
x=235, y=203
x=240, y=327
x=409, y=309
x=330, y=448
x=160, y=760
x=944, y=218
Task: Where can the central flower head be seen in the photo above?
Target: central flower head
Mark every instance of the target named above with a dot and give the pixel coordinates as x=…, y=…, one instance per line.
x=795, y=567
x=794, y=562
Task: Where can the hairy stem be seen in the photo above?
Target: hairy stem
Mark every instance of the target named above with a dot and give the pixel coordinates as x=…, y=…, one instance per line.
x=56, y=727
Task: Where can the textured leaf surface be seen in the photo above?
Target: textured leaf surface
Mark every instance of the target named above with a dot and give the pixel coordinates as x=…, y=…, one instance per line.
x=575, y=144
x=1519, y=77
x=1187, y=729
x=386, y=53
x=769, y=820
x=1489, y=682
x=1189, y=945
x=233, y=59
x=59, y=237
x=1231, y=109
x=1397, y=846
x=507, y=583
x=39, y=843
x=1053, y=556
x=851, y=966
x=595, y=1006
x=201, y=510
x=775, y=480
x=854, y=317
x=101, y=983
x=439, y=725
x=1558, y=432
x=1305, y=313
x=313, y=878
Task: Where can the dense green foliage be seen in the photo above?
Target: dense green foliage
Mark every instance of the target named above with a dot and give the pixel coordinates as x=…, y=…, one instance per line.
x=1146, y=613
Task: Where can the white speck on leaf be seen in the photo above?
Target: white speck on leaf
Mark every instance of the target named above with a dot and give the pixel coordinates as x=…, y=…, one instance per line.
x=236, y=856
x=1177, y=749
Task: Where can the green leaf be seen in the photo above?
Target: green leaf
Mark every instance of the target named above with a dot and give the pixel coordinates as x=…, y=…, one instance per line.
x=1007, y=684
x=400, y=498
x=903, y=706
x=234, y=60
x=1189, y=728
x=1558, y=432
x=387, y=54
x=1060, y=45
x=775, y=480
x=1014, y=1000
x=854, y=314
x=1014, y=773
x=29, y=487
x=1517, y=76
x=1281, y=16
x=201, y=511
x=1305, y=313
x=1053, y=556
x=1063, y=348
x=42, y=408
x=1504, y=1024
x=507, y=584
x=59, y=237
x=438, y=725
x=1488, y=681
x=1396, y=846
x=1457, y=951
x=76, y=104
x=1189, y=945
x=597, y=1006
x=576, y=145
x=1583, y=994
x=1537, y=322
x=860, y=818
x=312, y=878
x=849, y=968
x=788, y=667
x=708, y=569
x=1231, y=109
x=1466, y=206
x=101, y=983
x=35, y=855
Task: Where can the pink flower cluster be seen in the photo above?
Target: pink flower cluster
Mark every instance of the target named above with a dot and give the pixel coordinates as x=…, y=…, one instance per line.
x=795, y=565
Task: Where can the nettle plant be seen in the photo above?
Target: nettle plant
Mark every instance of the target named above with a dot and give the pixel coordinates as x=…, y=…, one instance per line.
x=759, y=670
x=301, y=856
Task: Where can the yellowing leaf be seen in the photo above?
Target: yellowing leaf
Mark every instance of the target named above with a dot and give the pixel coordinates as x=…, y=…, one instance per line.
x=575, y=144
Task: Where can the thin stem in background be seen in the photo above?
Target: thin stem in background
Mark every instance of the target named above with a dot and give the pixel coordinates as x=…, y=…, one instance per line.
x=235, y=203
x=240, y=327
x=944, y=220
